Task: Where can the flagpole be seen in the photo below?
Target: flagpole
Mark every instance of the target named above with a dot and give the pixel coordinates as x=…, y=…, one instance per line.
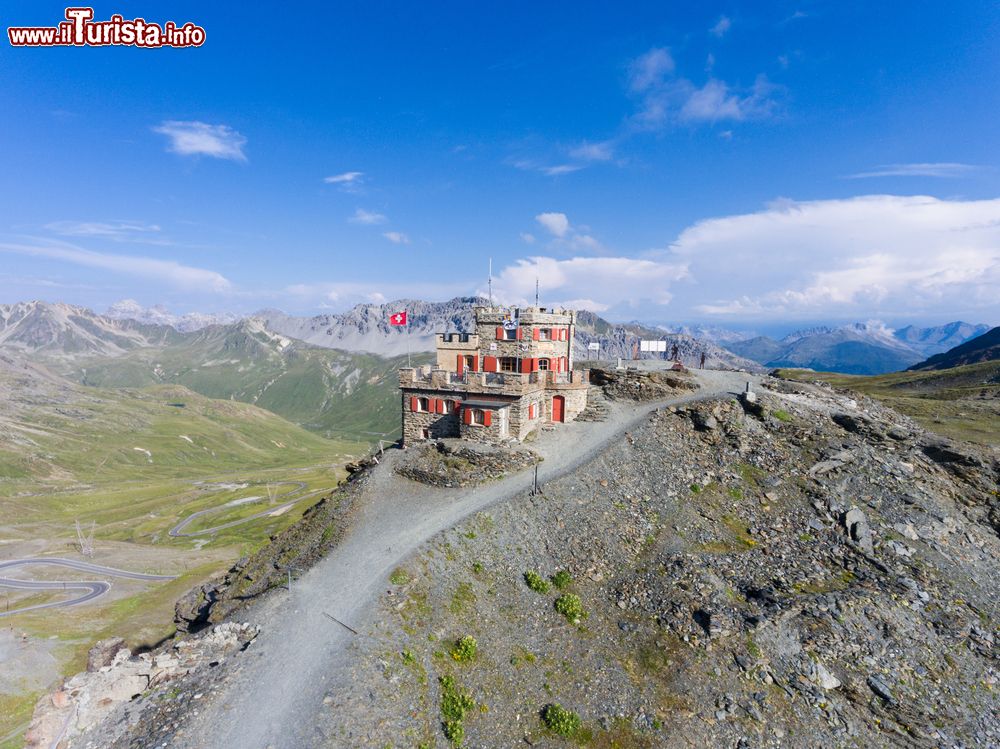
x=408, y=365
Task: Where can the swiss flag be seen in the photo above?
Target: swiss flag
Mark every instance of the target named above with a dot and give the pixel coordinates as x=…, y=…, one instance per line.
x=399, y=318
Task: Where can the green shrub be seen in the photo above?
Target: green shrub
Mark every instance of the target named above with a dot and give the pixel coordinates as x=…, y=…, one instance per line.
x=399, y=576
x=782, y=415
x=562, y=579
x=464, y=649
x=570, y=606
x=560, y=720
x=454, y=705
x=536, y=582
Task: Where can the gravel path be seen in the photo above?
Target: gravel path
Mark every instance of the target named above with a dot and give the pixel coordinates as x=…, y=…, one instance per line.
x=274, y=700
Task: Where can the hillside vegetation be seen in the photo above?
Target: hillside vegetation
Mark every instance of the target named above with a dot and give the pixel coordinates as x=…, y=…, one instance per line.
x=962, y=402
x=333, y=393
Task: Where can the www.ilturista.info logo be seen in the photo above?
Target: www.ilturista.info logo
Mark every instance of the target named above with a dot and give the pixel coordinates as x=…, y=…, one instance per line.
x=81, y=30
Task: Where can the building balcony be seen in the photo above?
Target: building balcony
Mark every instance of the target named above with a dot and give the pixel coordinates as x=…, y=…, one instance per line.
x=513, y=383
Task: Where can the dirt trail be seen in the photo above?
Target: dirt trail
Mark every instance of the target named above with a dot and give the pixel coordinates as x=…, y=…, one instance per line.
x=274, y=700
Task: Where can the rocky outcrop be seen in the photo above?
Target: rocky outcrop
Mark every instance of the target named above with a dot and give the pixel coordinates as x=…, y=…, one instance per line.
x=453, y=463
x=642, y=385
x=115, y=678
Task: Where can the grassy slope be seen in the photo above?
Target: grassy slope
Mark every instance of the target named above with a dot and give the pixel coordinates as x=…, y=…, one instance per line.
x=333, y=393
x=962, y=403
x=67, y=452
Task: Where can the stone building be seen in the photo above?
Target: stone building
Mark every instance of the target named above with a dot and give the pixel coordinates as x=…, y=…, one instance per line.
x=500, y=383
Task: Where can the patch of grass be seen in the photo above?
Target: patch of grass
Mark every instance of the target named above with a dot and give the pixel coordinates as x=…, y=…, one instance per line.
x=399, y=576
x=463, y=597
x=455, y=704
x=735, y=492
x=781, y=415
x=536, y=582
x=477, y=568
x=562, y=579
x=559, y=720
x=739, y=529
x=695, y=489
x=464, y=649
x=571, y=607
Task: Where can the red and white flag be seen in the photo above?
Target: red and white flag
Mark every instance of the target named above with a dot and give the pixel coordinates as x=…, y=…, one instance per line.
x=399, y=318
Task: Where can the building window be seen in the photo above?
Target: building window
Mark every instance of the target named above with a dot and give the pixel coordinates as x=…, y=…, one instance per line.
x=543, y=365
x=544, y=334
x=423, y=404
x=470, y=363
x=425, y=434
x=478, y=416
x=510, y=334
x=508, y=364
x=449, y=407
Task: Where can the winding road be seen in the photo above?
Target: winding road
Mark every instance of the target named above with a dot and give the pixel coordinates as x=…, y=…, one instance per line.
x=274, y=698
x=178, y=530
x=93, y=588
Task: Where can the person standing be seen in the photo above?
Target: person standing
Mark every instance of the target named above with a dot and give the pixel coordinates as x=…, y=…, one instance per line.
x=702, y=360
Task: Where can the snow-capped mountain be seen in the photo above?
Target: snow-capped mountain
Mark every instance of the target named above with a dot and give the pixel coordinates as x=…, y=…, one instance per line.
x=129, y=309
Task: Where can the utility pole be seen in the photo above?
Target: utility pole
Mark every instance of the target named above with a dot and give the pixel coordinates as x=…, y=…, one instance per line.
x=536, y=291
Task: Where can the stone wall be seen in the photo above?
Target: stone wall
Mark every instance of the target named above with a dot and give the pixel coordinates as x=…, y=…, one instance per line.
x=439, y=425
x=520, y=425
x=497, y=431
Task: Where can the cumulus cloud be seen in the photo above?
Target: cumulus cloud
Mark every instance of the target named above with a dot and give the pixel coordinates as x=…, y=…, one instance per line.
x=192, y=138
x=367, y=218
x=869, y=256
x=936, y=169
x=595, y=283
x=527, y=238
x=180, y=276
x=396, y=237
x=557, y=224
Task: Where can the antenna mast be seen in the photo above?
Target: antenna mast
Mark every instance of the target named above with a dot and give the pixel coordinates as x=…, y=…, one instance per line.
x=536, y=291
x=491, y=282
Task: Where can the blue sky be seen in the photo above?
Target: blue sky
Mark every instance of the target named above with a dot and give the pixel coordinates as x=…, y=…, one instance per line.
x=749, y=165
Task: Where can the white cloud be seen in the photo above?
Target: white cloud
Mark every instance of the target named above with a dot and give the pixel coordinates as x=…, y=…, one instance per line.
x=651, y=69
x=602, y=151
x=557, y=224
x=173, y=273
x=721, y=27
x=118, y=231
x=368, y=218
x=936, y=169
x=201, y=139
x=593, y=282
x=716, y=101
x=345, y=178
x=527, y=238
x=396, y=237
x=871, y=256
x=664, y=97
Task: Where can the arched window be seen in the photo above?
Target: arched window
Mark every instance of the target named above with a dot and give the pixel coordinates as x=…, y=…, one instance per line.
x=423, y=404
x=543, y=365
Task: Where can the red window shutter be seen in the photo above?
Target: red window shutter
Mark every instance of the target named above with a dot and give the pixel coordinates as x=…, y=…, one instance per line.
x=460, y=364
x=440, y=406
x=499, y=333
x=466, y=415
x=489, y=364
x=525, y=365
x=487, y=418
x=531, y=411
x=565, y=364
x=413, y=403
x=520, y=333
x=535, y=334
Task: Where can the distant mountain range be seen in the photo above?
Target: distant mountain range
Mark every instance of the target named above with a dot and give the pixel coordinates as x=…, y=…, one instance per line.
x=983, y=348
x=129, y=309
x=861, y=348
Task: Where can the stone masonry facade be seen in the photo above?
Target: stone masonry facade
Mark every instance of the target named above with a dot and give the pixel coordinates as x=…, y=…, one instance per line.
x=501, y=383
